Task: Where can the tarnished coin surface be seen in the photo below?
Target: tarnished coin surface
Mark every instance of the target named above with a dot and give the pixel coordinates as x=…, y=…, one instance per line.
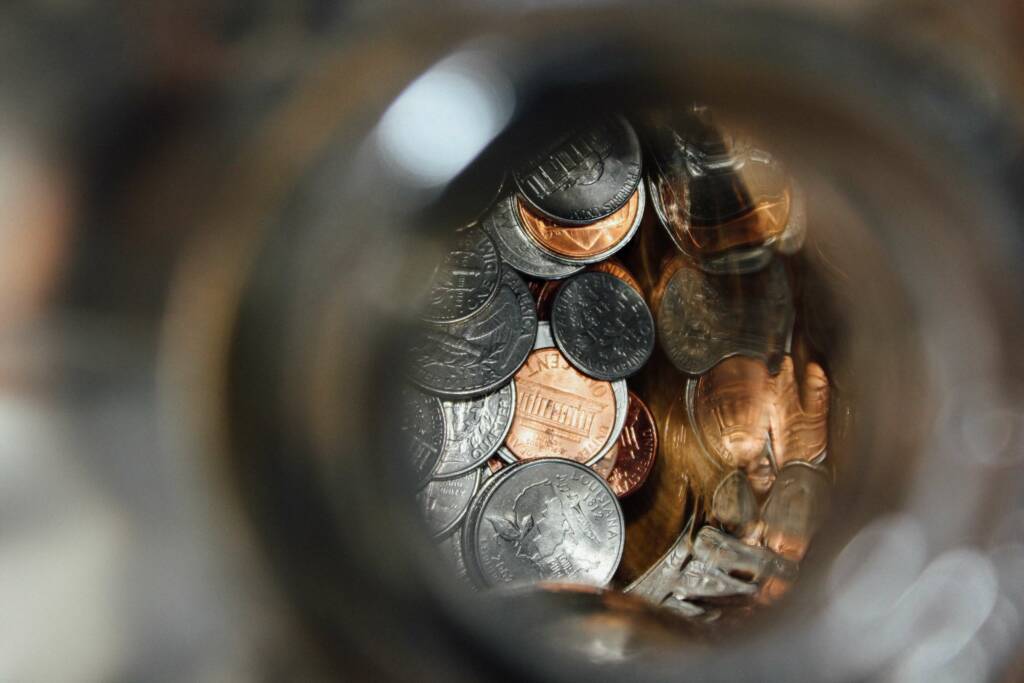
x=444, y=502
x=704, y=318
x=518, y=249
x=476, y=427
x=560, y=412
x=547, y=520
x=466, y=279
x=602, y=325
x=583, y=174
x=637, y=447
x=478, y=355
x=421, y=431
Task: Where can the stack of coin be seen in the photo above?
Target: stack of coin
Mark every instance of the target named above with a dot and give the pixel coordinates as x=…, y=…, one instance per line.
x=529, y=419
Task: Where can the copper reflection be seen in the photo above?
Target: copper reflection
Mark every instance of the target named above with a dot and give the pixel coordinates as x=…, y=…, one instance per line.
x=637, y=447
x=754, y=422
x=581, y=241
x=560, y=412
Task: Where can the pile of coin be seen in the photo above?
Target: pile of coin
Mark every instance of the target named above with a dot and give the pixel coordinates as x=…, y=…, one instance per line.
x=526, y=417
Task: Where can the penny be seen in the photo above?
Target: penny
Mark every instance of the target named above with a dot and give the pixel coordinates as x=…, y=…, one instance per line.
x=560, y=412
x=466, y=279
x=478, y=355
x=545, y=340
x=421, y=431
x=475, y=429
x=546, y=292
x=704, y=318
x=584, y=174
x=547, y=520
x=518, y=249
x=602, y=326
x=444, y=502
x=637, y=448
x=588, y=243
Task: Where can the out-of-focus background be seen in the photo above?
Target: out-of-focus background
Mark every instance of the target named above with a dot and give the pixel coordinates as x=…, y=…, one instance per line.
x=121, y=125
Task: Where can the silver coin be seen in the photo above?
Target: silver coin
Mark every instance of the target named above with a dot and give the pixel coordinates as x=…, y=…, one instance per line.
x=517, y=248
x=466, y=280
x=478, y=355
x=611, y=251
x=704, y=318
x=547, y=520
x=444, y=502
x=585, y=174
x=450, y=548
x=476, y=427
x=602, y=326
x=545, y=340
x=421, y=431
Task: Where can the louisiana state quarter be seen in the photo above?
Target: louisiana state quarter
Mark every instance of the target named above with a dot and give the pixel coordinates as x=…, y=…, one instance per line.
x=547, y=520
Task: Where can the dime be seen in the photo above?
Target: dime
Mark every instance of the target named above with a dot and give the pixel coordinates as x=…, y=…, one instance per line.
x=476, y=427
x=444, y=502
x=560, y=412
x=465, y=280
x=703, y=318
x=588, y=243
x=637, y=448
x=545, y=294
x=584, y=174
x=421, y=430
x=602, y=325
x=518, y=249
x=547, y=520
x=478, y=355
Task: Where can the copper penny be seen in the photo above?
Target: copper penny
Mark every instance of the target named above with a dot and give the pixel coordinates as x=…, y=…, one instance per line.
x=604, y=465
x=546, y=293
x=560, y=412
x=581, y=241
x=637, y=448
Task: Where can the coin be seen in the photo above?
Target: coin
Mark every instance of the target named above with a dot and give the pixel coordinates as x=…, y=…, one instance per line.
x=466, y=279
x=476, y=427
x=587, y=243
x=545, y=294
x=450, y=547
x=421, y=429
x=637, y=448
x=560, y=411
x=518, y=249
x=547, y=520
x=703, y=318
x=444, y=502
x=602, y=326
x=546, y=341
x=478, y=355
x=583, y=174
